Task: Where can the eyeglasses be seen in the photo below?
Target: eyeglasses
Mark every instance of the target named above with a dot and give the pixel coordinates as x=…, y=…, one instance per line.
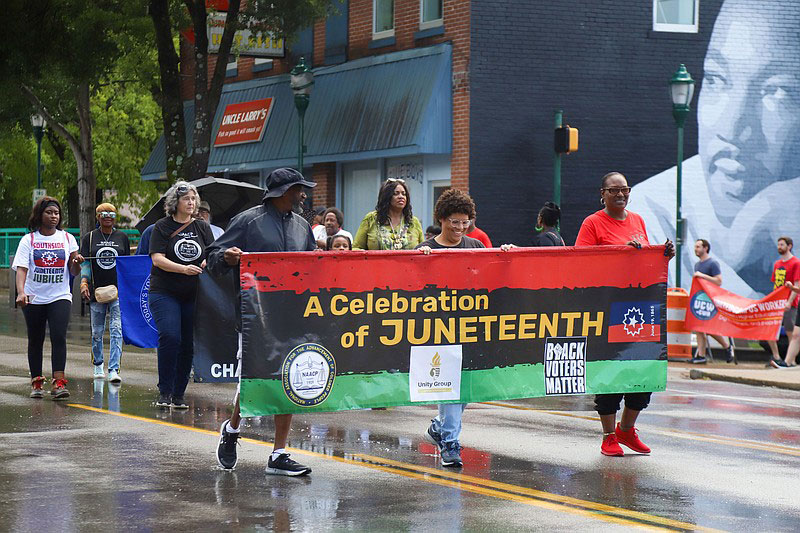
x=616, y=190
x=107, y=214
x=459, y=223
x=181, y=190
x=400, y=180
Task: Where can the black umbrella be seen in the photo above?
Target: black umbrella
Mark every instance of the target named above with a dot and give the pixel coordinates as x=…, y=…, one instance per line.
x=226, y=198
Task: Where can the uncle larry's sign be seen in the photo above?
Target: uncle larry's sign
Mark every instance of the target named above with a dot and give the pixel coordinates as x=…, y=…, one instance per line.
x=336, y=331
x=244, y=122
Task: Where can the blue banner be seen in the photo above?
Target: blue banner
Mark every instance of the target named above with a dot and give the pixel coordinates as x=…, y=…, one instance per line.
x=133, y=283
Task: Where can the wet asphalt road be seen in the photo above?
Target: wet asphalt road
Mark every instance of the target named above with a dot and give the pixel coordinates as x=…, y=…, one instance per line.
x=725, y=456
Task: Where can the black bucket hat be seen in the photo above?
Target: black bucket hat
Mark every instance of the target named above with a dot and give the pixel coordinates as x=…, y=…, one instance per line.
x=279, y=181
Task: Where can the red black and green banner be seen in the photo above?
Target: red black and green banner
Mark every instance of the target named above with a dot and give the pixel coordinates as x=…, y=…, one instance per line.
x=714, y=310
x=336, y=331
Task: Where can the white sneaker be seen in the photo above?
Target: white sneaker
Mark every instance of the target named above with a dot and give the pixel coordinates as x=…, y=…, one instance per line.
x=113, y=377
x=98, y=372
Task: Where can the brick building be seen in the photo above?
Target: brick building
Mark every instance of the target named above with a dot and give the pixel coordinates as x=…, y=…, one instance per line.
x=389, y=101
x=466, y=98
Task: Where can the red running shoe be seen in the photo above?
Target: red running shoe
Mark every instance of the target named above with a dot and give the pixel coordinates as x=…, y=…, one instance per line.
x=611, y=447
x=631, y=439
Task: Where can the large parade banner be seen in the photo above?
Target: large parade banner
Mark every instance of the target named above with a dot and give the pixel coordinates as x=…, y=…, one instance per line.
x=329, y=332
x=714, y=310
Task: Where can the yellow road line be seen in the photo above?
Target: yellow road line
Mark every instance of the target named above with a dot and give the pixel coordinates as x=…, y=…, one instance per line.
x=637, y=515
x=689, y=435
x=472, y=484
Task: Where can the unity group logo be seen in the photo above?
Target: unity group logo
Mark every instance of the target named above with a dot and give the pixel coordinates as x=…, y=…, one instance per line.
x=436, y=365
x=435, y=372
x=635, y=322
x=702, y=306
x=307, y=374
x=565, y=365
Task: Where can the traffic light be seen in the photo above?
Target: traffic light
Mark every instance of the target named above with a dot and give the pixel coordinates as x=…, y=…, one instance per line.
x=566, y=140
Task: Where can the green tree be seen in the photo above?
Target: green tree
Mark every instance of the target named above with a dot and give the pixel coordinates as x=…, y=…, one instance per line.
x=281, y=17
x=58, y=53
x=18, y=173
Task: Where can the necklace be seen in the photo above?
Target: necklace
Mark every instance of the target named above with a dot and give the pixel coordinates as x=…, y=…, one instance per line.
x=106, y=239
x=397, y=236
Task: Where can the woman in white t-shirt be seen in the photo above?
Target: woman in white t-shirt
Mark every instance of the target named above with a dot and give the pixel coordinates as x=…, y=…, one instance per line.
x=43, y=262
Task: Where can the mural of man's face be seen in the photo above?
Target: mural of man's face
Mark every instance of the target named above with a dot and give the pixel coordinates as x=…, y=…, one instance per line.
x=749, y=103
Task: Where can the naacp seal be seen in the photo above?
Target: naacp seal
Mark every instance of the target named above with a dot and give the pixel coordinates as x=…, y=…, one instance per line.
x=307, y=374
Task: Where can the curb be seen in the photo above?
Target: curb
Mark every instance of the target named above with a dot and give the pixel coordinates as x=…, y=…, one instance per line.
x=700, y=374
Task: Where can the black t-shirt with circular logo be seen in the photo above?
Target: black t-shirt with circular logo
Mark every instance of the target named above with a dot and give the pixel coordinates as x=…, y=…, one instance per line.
x=188, y=247
x=105, y=249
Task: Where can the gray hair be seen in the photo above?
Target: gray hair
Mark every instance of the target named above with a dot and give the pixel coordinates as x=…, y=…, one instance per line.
x=171, y=197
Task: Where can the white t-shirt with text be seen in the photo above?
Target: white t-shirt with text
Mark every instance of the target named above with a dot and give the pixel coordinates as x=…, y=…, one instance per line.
x=47, y=259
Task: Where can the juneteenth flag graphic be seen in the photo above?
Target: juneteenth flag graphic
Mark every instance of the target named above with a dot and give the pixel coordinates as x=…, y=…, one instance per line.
x=635, y=322
x=49, y=258
x=350, y=324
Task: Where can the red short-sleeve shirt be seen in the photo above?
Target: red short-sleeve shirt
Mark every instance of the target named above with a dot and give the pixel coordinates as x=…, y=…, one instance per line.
x=600, y=229
x=784, y=271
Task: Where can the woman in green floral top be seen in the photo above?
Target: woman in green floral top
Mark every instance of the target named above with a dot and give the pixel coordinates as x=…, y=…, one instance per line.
x=391, y=226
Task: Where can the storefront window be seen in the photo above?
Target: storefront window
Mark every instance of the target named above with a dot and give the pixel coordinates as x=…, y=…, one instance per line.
x=384, y=19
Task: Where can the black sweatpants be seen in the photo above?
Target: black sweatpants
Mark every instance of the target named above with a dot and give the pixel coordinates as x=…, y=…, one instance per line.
x=608, y=404
x=37, y=316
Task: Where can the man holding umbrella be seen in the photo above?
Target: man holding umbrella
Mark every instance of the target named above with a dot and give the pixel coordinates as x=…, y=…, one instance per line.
x=273, y=226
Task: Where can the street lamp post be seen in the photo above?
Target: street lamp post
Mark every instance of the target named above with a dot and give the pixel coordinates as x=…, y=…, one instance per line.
x=302, y=79
x=38, y=123
x=681, y=90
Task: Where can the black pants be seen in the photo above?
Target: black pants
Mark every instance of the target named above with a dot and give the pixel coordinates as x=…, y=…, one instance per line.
x=37, y=316
x=608, y=404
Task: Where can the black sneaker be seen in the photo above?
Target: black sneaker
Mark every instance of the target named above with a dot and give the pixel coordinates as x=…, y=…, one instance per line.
x=451, y=454
x=698, y=360
x=433, y=437
x=226, y=449
x=284, y=466
x=729, y=355
x=178, y=403
x=778, y=363
x=164, y=400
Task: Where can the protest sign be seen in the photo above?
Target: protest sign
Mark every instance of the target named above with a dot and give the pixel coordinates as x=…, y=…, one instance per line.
x=714, y=310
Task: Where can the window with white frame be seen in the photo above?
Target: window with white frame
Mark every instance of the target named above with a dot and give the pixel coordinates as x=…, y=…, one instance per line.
x=383, y=19
x=676, y=15
x=430, y=12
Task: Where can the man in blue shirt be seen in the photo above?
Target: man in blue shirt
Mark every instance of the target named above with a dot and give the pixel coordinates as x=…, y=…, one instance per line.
x=707, y=268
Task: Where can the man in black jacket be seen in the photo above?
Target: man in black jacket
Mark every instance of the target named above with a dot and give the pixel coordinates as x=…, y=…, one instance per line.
x=273, y=226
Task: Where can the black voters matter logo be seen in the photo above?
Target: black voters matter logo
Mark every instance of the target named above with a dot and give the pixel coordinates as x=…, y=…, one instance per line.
x=565, y=365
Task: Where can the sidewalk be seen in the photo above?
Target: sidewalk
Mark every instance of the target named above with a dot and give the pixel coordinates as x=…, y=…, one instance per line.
x=745, y=373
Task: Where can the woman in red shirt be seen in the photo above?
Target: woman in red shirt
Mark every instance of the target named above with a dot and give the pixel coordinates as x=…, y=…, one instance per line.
x=616, y=225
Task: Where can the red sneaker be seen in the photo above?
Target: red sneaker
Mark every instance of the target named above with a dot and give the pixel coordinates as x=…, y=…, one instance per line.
x=59, y=391
x=611, y=447
x=36, y=387
x=631, y=439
